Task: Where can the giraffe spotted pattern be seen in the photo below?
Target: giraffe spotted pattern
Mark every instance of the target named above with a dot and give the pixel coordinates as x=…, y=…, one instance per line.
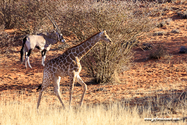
x=68, y=64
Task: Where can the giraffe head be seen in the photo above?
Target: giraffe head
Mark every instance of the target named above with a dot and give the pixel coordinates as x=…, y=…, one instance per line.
x=104, y=36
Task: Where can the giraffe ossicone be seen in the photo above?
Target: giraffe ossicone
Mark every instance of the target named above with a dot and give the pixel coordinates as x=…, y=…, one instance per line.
x=68, y=64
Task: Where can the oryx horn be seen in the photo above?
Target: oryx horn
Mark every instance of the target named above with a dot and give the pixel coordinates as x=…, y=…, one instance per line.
x=54, y=23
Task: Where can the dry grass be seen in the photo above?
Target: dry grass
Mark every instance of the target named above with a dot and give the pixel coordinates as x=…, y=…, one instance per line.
x=158, y=52
x=20, y=112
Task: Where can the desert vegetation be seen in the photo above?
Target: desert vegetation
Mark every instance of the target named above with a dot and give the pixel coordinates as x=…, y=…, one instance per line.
x=17, y=111
x=83, y=18
x=140, y=75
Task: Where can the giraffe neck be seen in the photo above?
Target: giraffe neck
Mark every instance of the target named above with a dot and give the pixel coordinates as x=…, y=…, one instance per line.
x=83, y=48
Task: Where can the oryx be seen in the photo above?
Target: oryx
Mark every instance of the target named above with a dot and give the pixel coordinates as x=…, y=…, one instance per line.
x=42, y=41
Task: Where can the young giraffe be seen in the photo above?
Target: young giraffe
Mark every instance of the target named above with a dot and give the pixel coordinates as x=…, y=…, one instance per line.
x=65, y=65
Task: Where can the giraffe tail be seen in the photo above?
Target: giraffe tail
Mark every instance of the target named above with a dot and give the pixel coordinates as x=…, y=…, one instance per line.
x=39, y=87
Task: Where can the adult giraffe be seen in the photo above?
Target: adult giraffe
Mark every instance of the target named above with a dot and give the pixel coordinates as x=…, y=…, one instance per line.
x=65, y=65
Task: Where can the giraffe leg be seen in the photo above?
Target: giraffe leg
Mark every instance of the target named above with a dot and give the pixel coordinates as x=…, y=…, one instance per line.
x=45, y=83
x=40, y=94
x=78, y=78
x=71, y=89
x=57, y=89
x=80, y=81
